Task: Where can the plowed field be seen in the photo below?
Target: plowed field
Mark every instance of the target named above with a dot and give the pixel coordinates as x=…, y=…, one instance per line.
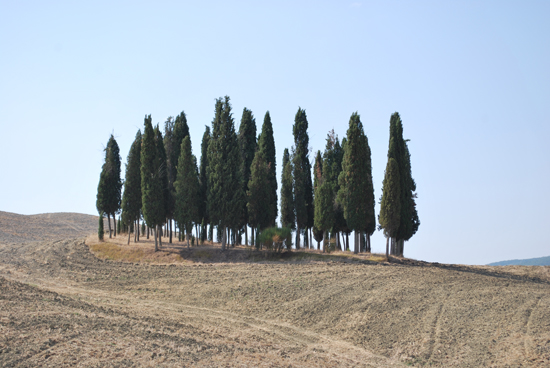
x=62, y=305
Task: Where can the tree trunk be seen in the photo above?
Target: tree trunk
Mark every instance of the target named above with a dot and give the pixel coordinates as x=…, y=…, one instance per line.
x=246, y=235
x=368, y=243
x=114, y=225
x=387, y=248
x=197, y=232
x=170, y=224
x=224, y=234
x=109, y=222
x=347, y=241
x=187, y=238
x=297, y=237
x=129, y=235
x=160, y=235
x=311, y=239
x=147, y=232
x=155, y=235
x=357, y=242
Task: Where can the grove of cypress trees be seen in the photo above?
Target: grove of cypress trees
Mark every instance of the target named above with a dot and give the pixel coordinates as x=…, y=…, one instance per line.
x=110, y=185
x=399, y=151
x=187, y=189
x=203, y=182
x=390, y=205
x=131, y=199
x=152, y=191
x=356, y=194
x=302, y=172
x=266, y=144
x=225, y=194
x=247, y=146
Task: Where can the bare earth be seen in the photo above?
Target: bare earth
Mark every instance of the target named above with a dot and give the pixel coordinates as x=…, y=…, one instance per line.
x=61, y=305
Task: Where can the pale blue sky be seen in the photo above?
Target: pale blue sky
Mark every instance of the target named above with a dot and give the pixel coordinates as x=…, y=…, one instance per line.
x=470, y=80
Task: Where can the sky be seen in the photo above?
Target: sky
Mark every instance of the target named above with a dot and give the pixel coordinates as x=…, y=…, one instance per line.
x=470, y=80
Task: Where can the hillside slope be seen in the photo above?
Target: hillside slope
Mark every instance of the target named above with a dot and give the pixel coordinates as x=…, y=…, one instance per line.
x=60, y=305
x=46, y=226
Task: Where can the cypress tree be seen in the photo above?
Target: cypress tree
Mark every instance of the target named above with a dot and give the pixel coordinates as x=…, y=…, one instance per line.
x=266, y=144
x=258, y=191
x=131, y=199
x=356, y=194
x=390, y=205
x=110, y=184
x=152, y=192
x=287, y=197
x=225, y=194
x=167, y=198
x=318, y=234
x=203, y=182
x=324, y=205
x=187, y=189
x=301, y=172
x=399, y=151
x=171, y=167
x=247, y=146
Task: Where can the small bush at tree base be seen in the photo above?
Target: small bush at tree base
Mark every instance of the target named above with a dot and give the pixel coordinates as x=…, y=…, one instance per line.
x=274, y=238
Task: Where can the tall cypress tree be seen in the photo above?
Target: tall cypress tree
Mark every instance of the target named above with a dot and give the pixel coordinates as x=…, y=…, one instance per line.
x=152, y=191
x=171, y=167
x=266, y=144
x=302, y=173
x=399, y=151
x=318, y=233
x=163, y=176
x=247, y=146
x=287, y=197
x=110, y=185
x=258, y=191
x=187, y=189
x=356, y=192
x=131, y=199
x=203, y=181
x=225, y=194
x=390, y=205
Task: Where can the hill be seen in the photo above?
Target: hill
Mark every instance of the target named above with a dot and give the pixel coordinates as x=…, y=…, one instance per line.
x=46, y=226
x=61, y=305
x=541, y=261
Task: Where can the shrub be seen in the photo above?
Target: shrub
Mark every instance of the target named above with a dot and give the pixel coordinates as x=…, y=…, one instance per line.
x=274, y=238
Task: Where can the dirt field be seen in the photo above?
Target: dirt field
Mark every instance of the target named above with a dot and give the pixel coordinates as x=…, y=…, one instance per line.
x=62, y=305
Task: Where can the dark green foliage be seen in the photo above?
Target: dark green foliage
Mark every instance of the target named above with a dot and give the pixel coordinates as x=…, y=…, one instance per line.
x=399, y=151
x=225, y=195
x=171, y=165
x=131, y=199
x=161, y=152
x=110, y=184
x=203, y=178
x=266, y=145
x=100, y=230
x=247, y=147
x=303, y=187
x=324, y=206
x=274, y=238
x=180, y=131
x=287, y=197
x=356, y=194
x=258, y=190
x=390, y=205
x=152, y=192
x=187, y=188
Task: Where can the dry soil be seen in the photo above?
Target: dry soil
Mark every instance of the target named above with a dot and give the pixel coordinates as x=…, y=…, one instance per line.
x=61, y=305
